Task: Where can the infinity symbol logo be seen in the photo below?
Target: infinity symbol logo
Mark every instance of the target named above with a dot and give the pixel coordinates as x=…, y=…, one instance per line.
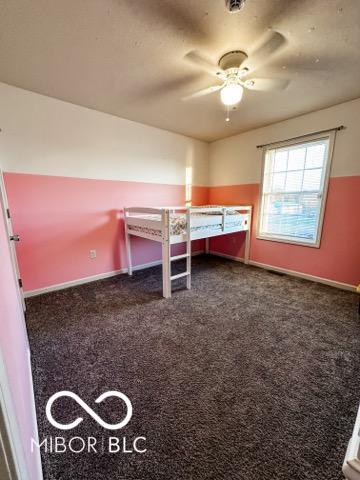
x=89, y=410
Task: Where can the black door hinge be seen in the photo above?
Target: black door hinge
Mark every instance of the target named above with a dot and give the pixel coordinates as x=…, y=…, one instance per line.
x=20, y=283
x=8, y=213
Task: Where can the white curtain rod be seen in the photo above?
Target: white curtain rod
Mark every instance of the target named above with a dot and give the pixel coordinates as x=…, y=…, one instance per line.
x=340, y=127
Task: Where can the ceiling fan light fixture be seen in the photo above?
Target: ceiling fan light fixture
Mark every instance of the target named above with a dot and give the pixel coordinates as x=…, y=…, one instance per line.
x=231, y=94
x=242, y=72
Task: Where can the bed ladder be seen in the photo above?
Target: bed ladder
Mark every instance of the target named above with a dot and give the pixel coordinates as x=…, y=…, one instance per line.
x=167, y=258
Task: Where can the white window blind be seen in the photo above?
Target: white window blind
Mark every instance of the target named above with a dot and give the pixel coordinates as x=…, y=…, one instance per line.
x=294, y=177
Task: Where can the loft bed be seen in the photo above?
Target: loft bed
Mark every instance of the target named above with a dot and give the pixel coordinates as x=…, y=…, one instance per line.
x=173, y=225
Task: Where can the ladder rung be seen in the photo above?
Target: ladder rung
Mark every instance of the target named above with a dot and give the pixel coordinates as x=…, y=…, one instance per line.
x=177, y=257
x=179, y=275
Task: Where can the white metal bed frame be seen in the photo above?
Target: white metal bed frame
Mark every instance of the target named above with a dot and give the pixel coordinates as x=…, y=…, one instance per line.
x=160, y=231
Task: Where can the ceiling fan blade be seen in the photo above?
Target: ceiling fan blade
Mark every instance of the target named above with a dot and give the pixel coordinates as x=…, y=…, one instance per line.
x=266, y=84
x=204, y=63
x=270, y=44
x=204, y=91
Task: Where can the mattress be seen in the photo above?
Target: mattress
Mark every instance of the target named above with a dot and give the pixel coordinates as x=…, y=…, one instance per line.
x=199, y=221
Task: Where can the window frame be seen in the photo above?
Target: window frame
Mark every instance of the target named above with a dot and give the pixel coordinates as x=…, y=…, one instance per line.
x=330, y=136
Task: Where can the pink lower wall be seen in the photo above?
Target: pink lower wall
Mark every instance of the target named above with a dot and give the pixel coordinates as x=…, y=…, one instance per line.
x=338, y=257
x=14, y=350
x=59, y=219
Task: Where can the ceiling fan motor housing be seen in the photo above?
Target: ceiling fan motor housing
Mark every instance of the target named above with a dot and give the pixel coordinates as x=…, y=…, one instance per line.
x=234, y=6
x=232, y=59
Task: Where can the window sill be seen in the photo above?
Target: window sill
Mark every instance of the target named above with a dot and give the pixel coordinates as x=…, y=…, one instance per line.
x=289, y=241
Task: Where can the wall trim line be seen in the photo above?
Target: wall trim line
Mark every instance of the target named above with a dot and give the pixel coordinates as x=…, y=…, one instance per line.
x=293, y=273
x=93, y=278
x=101, y=179
x=222, y=185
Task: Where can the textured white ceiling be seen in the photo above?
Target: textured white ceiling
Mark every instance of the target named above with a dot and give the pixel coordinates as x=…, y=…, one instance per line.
x=126, y=57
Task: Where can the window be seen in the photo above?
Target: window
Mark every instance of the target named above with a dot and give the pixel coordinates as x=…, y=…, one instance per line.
x=294, y=183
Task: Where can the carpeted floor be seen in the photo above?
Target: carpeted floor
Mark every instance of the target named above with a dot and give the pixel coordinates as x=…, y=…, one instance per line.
x=250, y=375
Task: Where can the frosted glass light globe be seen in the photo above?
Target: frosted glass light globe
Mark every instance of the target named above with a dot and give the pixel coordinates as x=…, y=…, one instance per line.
x=231, y=94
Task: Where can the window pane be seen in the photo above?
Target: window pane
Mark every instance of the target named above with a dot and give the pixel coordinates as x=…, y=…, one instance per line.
x=315, y=156
x=297, y=158
x=294, y=181
x=292, y=215
x=280, y=160
x=312, y=179
x=278, y=183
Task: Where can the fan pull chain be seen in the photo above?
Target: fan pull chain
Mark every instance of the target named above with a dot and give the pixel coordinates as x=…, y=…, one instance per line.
x=227, y=118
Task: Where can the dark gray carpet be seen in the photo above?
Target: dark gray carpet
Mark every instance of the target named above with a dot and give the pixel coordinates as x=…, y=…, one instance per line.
x=250, y=375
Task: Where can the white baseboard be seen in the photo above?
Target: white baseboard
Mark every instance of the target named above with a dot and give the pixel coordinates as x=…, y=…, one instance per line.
x=93, y=278
x=100, y=276
x=312, y=278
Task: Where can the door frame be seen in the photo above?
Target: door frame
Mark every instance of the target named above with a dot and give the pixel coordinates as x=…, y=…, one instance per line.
x=7, y=215
x=7, y=467
x=9, y=425
x=9, y=430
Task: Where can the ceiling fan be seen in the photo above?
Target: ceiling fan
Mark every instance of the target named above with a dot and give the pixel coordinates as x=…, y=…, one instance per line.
x=233, y=69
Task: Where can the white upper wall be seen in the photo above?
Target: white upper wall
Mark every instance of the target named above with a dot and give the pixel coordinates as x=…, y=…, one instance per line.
x=236, y=160
x=42, y=135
